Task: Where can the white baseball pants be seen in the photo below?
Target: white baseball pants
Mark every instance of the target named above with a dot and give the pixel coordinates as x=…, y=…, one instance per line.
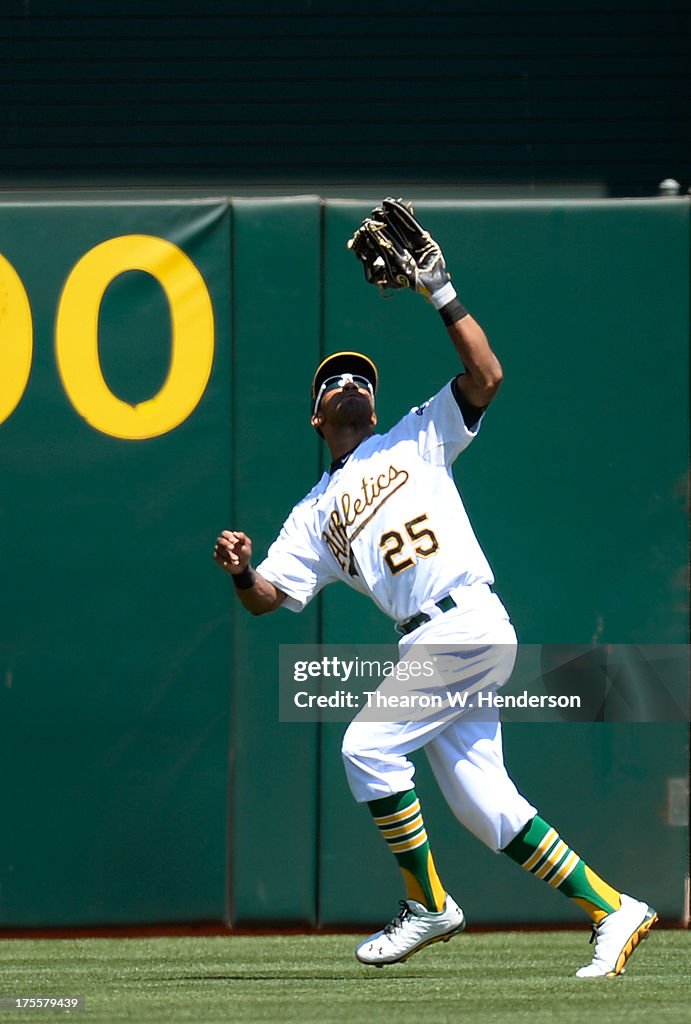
x=475, y=647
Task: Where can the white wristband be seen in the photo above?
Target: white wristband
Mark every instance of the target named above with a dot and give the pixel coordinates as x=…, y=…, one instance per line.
x=446, y=294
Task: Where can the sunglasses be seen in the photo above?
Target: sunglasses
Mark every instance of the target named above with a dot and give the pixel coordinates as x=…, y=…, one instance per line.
x=339, y=381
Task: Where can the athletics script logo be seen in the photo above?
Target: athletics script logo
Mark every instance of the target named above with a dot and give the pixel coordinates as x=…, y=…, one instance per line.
x=354, y=511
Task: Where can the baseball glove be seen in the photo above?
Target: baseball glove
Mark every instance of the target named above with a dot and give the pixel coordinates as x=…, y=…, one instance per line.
x=396, y=251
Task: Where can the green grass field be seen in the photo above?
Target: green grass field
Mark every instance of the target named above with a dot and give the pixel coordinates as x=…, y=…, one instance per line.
x=499, y=977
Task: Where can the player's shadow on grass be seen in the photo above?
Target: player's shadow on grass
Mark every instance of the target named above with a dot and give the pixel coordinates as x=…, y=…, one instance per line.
x=287, y=976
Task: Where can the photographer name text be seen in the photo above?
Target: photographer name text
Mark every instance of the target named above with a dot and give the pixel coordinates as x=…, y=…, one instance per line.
x=433, y=701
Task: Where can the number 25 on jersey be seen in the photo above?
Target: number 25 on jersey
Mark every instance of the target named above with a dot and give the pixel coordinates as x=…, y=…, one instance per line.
x=400, y=548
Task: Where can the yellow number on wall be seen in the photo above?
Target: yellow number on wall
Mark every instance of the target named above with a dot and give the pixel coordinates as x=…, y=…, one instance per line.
x=192, y=341
x=16, y=339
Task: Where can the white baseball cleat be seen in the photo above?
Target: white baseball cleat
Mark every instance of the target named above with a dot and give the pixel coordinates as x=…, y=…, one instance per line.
x=616, y=937
x=410, y=931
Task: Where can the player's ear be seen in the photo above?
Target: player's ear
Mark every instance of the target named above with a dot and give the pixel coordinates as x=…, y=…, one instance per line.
x=318, y=422
x=373, y=418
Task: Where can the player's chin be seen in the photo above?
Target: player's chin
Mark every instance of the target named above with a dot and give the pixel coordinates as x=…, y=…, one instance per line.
x=359, y=417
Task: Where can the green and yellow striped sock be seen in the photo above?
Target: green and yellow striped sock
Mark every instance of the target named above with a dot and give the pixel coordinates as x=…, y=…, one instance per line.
x=540, y=850
x=399, y=820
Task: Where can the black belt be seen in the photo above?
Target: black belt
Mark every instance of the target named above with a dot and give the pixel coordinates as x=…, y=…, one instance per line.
x=408, y=625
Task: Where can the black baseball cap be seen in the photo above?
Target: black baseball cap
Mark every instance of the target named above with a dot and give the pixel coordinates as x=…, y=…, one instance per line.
x=345, y=362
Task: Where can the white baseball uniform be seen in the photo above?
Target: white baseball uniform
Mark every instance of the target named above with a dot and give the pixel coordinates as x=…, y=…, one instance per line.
x=388, y=520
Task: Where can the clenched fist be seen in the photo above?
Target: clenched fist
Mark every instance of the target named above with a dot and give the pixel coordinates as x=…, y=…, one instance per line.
x=233, y=551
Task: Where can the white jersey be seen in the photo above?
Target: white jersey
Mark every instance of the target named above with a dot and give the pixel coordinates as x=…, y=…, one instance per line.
x=389, y=521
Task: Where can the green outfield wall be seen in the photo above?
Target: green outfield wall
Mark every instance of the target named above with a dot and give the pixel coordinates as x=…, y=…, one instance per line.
x=155, y=360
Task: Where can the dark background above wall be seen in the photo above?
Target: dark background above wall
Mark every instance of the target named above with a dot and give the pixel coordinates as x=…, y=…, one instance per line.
x=298, y=93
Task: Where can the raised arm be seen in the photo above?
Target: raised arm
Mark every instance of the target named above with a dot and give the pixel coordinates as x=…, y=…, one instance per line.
x=233, y=552
x=483, y=373
x=397, y=252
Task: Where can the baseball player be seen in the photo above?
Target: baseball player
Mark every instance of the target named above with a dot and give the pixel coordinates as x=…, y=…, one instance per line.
x=387, y=519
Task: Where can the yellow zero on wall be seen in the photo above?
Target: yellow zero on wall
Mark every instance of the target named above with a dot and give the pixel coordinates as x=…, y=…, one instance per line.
x=76, y=337
x=16, y=339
